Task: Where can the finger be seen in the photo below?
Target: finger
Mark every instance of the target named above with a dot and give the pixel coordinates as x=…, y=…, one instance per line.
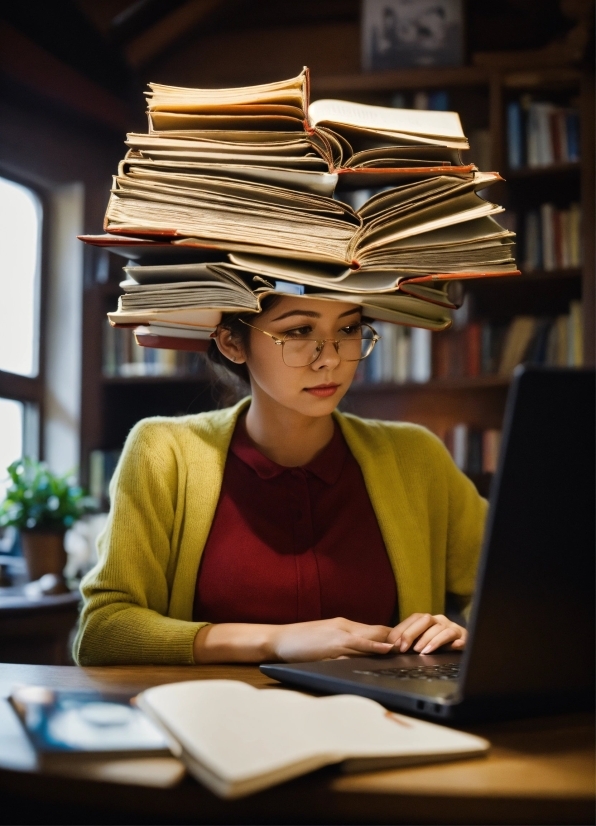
x=360, y=628
x=361, y=645
x=461, y=641
x=432, y=632
x=445, y=636
x=415, y=630
x=397, y=631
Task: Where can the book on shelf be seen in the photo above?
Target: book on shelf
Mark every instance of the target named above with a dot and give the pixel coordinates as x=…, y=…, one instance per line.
x=541, y=133
x=255, y=183
x=474, y=451
x=552, y=238
x=124, y=353
x=477, y=348
x=237, y=739
x=402, y=355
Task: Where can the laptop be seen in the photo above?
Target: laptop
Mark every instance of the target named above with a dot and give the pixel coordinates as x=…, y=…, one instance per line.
x=531, y=641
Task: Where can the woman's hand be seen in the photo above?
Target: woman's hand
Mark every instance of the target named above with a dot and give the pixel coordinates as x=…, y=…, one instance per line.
x=296, y=642
x=424, y=633
x=328, y=639
x=323, y=640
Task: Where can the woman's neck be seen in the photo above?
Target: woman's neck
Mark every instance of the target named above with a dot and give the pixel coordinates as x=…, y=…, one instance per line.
x=286, y=436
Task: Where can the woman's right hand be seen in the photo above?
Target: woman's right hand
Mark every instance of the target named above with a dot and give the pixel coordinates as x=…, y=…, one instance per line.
x=297, y=642
x=327, y=639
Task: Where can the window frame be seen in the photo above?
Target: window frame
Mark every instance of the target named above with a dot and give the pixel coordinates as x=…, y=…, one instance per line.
x=30, y=390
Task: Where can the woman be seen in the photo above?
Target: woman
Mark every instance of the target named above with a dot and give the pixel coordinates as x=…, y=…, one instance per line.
x=279, y=529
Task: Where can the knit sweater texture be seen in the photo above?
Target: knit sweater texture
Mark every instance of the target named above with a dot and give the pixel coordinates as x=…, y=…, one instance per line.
x=138, y=599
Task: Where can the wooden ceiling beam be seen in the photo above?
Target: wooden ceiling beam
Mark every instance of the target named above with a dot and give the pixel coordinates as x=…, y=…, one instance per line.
x=167, y=31
x=28, y=64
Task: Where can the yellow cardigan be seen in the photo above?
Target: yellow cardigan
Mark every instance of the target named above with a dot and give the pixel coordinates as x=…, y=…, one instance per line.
x=139, y=596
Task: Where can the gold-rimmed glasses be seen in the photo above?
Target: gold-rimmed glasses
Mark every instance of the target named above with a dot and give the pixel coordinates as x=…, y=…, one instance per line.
x=300, y=351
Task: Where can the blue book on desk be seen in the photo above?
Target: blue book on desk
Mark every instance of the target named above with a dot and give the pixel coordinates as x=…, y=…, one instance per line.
x=75, y=725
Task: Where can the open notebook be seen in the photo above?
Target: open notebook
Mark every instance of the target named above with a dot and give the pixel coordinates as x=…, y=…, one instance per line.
x=237, y=739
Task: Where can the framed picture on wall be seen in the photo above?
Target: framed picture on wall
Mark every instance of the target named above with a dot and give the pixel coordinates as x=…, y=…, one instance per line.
x=398, y=34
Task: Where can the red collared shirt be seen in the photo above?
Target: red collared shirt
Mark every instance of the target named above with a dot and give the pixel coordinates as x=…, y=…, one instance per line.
x=294, y=544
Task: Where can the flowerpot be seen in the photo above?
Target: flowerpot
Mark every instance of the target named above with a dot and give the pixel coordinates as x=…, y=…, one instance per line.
x=44, y=553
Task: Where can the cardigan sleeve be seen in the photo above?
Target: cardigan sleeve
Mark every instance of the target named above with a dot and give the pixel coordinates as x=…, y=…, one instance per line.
x=466, y=517
x=124, y=619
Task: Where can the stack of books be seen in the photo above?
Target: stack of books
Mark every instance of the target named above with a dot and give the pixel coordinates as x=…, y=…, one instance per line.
x=235, y=194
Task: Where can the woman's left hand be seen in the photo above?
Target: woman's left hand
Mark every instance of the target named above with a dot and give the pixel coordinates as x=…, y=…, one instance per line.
x=424, y=633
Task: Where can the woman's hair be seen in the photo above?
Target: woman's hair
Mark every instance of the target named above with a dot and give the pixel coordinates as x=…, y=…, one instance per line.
x=234, y=379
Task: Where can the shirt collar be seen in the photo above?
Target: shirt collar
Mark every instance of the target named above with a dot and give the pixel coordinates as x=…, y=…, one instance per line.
x=327, y=466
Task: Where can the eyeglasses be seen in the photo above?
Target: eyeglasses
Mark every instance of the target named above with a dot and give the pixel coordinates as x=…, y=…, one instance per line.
x=300, y=351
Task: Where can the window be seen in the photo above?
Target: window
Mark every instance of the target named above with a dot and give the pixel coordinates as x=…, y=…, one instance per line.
x=20, y=370
x=20, y=235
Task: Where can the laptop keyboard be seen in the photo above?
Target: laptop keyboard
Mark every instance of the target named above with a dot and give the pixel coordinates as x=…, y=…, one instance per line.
x=448, y=671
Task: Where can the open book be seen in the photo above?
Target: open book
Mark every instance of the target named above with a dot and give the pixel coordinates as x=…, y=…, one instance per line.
x=248, y=216
x=368, y=145
x=187, y=296
x=237, y=739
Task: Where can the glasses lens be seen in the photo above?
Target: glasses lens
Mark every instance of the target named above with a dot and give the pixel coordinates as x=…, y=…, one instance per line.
x=300, y=352
x=358, y=347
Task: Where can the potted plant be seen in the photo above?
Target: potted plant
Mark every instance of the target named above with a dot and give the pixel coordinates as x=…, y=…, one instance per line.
x=42, y=506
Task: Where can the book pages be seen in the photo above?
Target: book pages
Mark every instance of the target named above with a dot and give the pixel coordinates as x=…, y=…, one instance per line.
x=237, y=739
x=235, y=194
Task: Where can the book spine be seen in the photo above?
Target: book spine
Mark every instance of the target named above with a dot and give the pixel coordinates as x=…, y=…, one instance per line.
x=515, y=135
x=440, y=356
x=421, y=354
x=532, y=241
x=491, y=443
x=557, y=231
x=532, y=138
x=572, y=130
x=565, y=232
x=554, y=120
x=473, y=343
x=460, y=446
x=548, y=241
x=475, y=452
x=402, y=355
x=575, y=258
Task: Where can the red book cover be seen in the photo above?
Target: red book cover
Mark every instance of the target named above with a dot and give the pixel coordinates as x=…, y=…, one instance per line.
x=195, y=345
x=441, y=356
x=473, y=347
x=555, y=135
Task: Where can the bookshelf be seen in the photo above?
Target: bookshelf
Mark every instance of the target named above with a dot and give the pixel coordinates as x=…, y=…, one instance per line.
x=481, y=95
x=113, y=403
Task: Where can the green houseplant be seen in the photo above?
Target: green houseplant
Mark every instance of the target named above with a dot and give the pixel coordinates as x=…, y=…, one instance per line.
x=42, y=506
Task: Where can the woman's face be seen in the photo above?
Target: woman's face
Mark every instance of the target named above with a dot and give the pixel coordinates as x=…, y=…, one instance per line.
x=314, y=389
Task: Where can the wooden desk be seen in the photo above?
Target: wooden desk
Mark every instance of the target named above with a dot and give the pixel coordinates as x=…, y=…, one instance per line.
x=539, y=771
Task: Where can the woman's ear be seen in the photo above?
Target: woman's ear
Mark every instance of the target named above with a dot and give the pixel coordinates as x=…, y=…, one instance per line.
x=229, y=346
